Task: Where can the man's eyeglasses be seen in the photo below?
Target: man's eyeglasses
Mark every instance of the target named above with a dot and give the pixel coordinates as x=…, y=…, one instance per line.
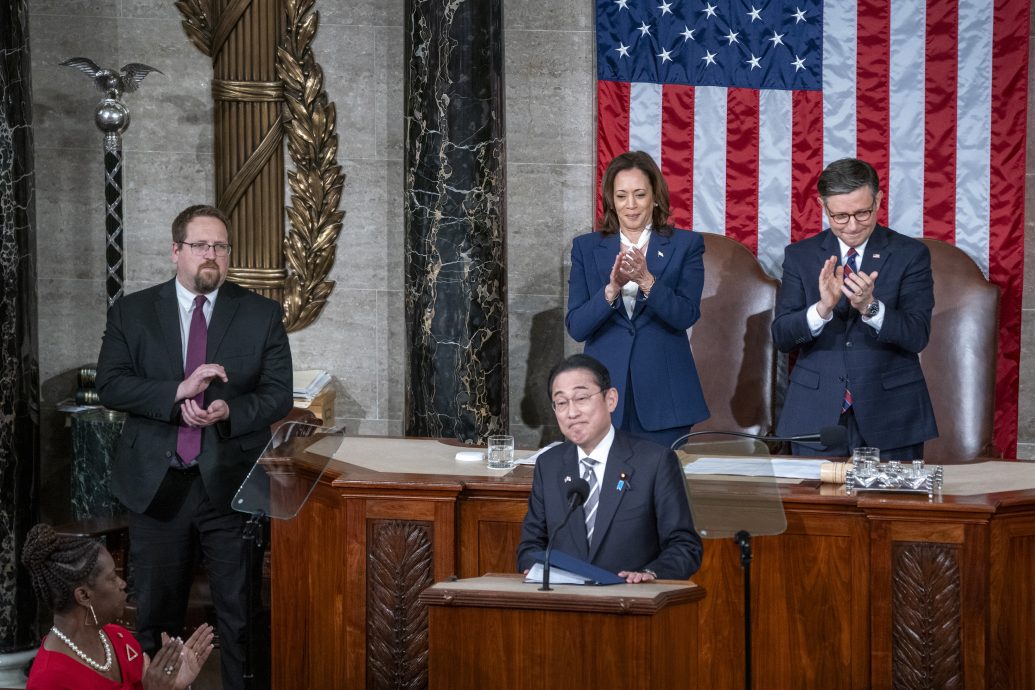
x=580, y=401
x=843, y=218
x=201, y=248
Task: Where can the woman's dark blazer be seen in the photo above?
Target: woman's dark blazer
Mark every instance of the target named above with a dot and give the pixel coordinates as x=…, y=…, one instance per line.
x=653, y=346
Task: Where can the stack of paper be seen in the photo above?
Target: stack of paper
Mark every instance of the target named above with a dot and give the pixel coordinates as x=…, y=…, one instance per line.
x=309, y=382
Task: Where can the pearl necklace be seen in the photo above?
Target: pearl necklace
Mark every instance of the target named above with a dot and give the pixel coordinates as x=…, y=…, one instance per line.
x=108, y=656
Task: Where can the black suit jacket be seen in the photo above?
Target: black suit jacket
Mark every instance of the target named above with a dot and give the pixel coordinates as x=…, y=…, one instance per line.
x=647, y=524
x=889, y=395
x=141, y=365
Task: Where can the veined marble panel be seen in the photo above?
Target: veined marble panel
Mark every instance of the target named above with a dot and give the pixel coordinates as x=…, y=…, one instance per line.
x=455, y=249
x=95, y=437
x=19, y=364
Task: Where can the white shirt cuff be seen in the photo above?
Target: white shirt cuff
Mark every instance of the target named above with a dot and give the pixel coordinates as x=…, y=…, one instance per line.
x=817, y=322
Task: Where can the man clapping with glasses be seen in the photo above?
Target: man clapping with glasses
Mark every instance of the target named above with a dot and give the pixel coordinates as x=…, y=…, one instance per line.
x=855, y=304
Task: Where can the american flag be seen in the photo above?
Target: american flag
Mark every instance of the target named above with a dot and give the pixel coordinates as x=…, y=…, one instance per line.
x=744, y=102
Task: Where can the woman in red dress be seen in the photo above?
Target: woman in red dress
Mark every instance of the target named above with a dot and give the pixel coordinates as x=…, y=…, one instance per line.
x=85, y=650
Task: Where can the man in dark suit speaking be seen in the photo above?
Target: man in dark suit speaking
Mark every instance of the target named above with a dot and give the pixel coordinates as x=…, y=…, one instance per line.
x=855, y=304
x=202, y=367
x=636, y=521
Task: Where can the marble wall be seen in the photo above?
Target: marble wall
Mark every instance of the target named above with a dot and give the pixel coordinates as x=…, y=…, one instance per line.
x=455, y=201
x=549, y=87
x=19, y=393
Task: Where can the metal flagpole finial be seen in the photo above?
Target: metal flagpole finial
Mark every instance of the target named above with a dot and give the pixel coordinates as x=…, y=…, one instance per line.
x=111, y=83
x=112, y=118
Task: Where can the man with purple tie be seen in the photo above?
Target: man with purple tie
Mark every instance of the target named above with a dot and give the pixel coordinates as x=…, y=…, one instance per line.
x=202, y=367
x=855, y=305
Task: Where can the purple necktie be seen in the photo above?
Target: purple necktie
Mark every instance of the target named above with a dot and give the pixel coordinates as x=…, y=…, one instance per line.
x=188, y=441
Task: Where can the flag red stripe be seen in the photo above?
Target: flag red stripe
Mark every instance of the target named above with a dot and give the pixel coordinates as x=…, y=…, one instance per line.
x=940, y=122
x=612, y=127
x=872, y=87
x=806, y=162
x=677, y=152
x=742, y=126
x=1006, y=191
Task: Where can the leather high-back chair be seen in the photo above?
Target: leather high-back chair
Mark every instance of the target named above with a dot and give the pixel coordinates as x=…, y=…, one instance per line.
x=732, y=345
x=959, y=360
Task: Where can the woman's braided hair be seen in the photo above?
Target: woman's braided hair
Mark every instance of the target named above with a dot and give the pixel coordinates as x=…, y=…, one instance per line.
x=57, y=565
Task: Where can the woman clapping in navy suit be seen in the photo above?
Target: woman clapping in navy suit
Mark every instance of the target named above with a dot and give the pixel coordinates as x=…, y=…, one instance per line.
x=635, y=289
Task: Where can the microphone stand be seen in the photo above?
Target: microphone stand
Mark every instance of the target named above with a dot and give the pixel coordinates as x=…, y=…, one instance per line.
x=577, y=493
x=549, y=548
x=252, y=536
x=742, y=538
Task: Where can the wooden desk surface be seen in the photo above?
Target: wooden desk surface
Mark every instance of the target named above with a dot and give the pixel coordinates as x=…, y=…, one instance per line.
x=871, y=590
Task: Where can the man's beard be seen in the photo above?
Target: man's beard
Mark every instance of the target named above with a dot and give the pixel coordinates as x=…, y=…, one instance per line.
x=205, y=282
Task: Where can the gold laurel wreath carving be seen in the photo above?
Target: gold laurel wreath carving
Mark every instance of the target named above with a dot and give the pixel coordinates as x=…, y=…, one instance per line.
x=309, y=117
x=196, y=24
x=317, y=181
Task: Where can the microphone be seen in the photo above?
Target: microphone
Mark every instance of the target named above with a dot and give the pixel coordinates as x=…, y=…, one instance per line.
x=828, y=437
x=578, y=491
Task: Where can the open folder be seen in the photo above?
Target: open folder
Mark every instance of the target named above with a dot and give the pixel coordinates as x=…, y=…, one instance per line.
x=568, y=570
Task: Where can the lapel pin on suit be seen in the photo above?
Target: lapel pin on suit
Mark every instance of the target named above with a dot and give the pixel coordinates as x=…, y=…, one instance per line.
x=661, y=254
x=567, y=479
x=623, y=481
x=875, y=256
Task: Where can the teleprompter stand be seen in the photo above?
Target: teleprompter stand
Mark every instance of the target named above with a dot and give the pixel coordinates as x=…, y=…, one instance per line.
x=277, y=487
x=737, y=508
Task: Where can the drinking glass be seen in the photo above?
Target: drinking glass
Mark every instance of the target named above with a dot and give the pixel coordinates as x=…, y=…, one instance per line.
x=501, y=452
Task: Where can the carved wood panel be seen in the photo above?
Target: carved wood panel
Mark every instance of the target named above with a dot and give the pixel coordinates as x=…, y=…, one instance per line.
x=399, y=567
x=926, y=602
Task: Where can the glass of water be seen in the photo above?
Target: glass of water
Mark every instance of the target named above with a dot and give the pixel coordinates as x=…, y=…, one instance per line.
x=862, y=454
x=501, y=452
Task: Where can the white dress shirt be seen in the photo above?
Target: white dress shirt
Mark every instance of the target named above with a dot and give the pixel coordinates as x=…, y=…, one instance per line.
x=599, y=454
x=630, y=290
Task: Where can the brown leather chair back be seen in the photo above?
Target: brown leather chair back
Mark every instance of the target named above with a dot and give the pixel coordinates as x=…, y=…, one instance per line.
x=959, y=361
x=731, y=342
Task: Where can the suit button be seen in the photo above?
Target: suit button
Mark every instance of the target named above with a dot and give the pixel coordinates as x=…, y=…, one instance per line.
x=168, y=454
x=848, y=343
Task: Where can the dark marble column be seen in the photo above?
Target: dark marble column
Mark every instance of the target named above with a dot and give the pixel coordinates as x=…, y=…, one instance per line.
x=456, y=289
x=19, y=371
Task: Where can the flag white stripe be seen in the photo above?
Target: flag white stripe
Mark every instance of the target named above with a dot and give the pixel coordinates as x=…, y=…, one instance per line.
x=645, y=119
x=839, y=44
x=710, y=159
x=973, y=130
x=774, y=177
x=904, y=188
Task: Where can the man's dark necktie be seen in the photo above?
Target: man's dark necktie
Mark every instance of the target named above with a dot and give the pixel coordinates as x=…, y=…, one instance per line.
x=188, y=440
x=850, y=267
x=590, y=506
